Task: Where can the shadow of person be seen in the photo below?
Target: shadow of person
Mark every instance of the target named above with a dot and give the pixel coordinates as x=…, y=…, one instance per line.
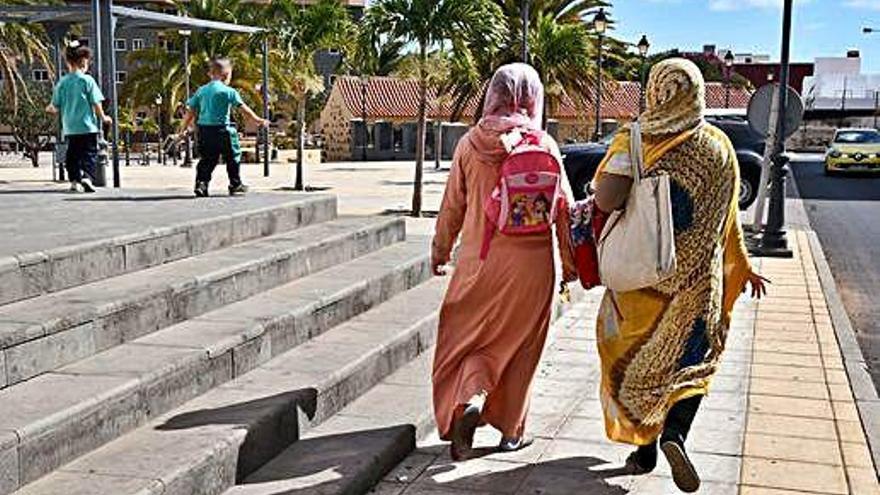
x=566, y=476
x=133, y=199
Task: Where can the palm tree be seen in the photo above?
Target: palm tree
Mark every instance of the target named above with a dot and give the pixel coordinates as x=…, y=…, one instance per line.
x=562, y=48
x=22, y=45
x=430, y=24
x=299, y=31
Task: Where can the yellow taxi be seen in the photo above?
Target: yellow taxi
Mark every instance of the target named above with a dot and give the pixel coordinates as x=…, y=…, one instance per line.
x=853, y=150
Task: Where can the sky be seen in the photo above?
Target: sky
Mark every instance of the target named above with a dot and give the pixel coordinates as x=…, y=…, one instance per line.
x=820, y=27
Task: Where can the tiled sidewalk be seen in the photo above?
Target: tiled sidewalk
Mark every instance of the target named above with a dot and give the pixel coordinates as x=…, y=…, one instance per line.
x=780, y=419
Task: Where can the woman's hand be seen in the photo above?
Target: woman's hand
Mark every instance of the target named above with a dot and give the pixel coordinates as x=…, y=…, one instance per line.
x=758, y=284
x=437, y=265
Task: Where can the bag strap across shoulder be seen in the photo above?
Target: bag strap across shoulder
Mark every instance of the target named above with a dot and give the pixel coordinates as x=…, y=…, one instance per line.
x=636, y=156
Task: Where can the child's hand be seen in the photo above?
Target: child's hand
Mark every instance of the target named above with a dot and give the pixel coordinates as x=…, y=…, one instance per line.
x=263, y=122
x=108, y=120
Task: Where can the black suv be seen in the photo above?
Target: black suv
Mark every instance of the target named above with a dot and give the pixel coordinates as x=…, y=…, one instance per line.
x=581, y=160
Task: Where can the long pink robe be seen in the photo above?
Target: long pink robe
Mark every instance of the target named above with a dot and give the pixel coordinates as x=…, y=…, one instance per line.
x=495, y=316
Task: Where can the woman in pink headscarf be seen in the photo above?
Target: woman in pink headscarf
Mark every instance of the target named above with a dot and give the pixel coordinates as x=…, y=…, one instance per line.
x=496, y=312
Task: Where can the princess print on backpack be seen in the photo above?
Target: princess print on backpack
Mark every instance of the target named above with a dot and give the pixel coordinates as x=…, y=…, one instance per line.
x=529, y=189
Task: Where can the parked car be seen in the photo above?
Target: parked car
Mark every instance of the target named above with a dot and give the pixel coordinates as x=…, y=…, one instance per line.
x=581, y=159
x=853, y=150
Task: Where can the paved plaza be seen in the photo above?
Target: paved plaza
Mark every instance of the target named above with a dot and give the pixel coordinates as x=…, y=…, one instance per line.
x=792, y=410
x=780, y=418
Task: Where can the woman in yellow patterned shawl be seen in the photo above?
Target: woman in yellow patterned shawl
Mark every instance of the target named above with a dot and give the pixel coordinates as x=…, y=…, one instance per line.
x=661, y=345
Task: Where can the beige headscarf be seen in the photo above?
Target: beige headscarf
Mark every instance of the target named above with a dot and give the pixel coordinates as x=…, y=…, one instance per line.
x=675, y=97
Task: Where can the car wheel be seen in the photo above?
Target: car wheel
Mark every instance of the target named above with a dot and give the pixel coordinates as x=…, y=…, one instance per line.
x=748, y=191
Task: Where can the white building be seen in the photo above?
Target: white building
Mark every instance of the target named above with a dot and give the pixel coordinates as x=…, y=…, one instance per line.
x=838, y=84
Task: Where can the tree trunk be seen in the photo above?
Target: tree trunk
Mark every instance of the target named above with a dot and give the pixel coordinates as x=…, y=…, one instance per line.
x=438, y=144
x=420, y=132
x=34, y=152
x=300, y=143
x=127, y=148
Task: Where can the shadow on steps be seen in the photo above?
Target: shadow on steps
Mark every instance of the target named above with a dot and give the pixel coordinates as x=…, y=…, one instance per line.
x=272, y=424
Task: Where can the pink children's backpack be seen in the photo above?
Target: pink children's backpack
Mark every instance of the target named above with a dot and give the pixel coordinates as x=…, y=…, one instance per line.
x=529, y=190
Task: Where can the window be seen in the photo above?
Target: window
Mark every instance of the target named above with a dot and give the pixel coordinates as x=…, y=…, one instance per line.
x=137, y=44
x=120, y=76
x=120, y=44
x=41, y=75
x=166, y=45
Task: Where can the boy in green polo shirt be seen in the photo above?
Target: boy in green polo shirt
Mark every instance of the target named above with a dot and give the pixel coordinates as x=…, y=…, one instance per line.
x=209, y=107
x=78, y=98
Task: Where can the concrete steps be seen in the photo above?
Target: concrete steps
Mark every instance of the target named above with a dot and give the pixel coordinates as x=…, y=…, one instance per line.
x=44, y=333
x=352, y=451
x=229, y=432
x=85, y=404
x=30, y=274
x=211, y=348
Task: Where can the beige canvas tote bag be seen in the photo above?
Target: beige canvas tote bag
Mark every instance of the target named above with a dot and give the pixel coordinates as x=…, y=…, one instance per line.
x=637, y=245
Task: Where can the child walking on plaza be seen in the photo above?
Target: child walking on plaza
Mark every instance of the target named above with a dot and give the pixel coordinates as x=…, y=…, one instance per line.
x=209, y=107
x=78, y=98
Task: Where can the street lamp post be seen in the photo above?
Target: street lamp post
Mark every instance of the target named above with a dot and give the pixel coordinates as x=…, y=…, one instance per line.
x=158, y=103
x=600, y=23
x=643, y=47
x=773, y=240
x=364, y=82
x=187, y=151
x=728, y=67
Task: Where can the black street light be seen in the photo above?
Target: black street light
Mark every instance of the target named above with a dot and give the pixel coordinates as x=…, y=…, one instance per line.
x=643, y=47
x=773, y=241
x=600, y=24
x=728, y=67
x=364, y=82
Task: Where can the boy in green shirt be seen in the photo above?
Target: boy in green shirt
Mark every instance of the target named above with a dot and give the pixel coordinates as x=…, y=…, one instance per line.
x=78, y=98
x=209, y=107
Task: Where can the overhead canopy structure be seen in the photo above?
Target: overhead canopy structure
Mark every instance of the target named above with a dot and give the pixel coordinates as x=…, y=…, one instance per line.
x=57, y=20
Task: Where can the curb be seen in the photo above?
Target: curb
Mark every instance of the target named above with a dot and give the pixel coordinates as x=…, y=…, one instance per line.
x=865, y=394
x=860, y=382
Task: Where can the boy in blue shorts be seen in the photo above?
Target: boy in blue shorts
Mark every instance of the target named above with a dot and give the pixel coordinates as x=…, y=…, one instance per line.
x=209, y=107
x=77, y=97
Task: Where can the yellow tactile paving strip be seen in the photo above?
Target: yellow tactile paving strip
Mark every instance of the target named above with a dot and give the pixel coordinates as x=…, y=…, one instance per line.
x=803, y=432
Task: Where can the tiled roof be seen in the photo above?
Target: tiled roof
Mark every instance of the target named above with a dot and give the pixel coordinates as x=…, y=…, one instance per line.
x=393, y=98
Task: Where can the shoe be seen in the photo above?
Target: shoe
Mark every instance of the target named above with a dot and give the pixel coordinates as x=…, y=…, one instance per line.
x=512, y=444
x=465, y=426
x=201, y=189
x=87, y=185
x=643, y=460
x=238, y=190
x=683, y=472
x=76, y=188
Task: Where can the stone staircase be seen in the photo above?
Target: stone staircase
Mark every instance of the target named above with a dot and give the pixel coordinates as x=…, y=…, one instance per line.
x=188, y=359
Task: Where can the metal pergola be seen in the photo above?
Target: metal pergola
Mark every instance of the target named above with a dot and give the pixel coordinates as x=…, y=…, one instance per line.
x=104, y=18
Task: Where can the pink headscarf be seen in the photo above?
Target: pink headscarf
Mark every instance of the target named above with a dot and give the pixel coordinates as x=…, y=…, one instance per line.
x=515, y=98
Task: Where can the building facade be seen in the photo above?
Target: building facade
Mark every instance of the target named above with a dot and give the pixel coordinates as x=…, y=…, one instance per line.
x=375, y=118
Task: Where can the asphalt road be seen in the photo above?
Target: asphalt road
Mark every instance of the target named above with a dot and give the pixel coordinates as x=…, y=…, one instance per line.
x=845, y=213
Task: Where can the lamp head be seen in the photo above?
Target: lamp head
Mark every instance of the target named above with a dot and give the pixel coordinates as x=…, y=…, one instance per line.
x=728, y=59
x=643, y=45
x=600, y=21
